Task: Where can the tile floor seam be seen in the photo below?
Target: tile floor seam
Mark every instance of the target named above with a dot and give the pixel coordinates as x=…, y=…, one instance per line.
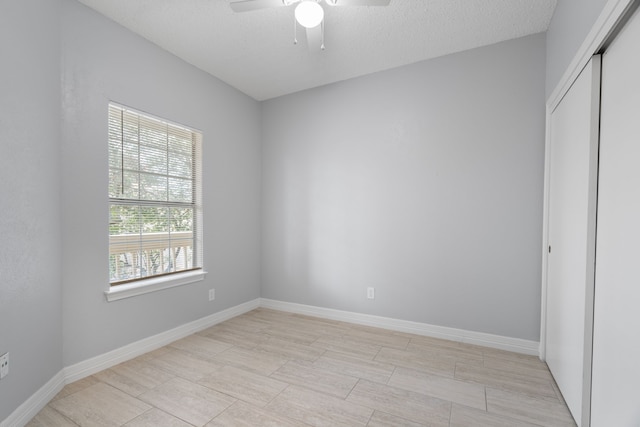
x=406, y=345
x=536, y=397
x=65, y=417
x=377, y=353
x=486, y=404
x=370, y=416
x=276, y=396
x=351, y=391
x=176, y=416
x=391, y=376
x=521, y=395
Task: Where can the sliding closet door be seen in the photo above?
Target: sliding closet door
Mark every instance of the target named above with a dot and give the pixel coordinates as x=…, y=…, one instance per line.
x=572, y=206
x=616, y=341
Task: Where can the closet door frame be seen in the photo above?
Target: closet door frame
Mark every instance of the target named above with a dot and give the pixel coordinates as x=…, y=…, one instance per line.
x=611, y=15
x=601, y=33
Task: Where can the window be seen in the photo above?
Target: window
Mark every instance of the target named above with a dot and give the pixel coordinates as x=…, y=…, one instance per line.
x=155, y=215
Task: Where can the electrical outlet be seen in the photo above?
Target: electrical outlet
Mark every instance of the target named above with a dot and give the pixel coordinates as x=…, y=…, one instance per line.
x=212, y=294
x=371, y=293
x=4, y=365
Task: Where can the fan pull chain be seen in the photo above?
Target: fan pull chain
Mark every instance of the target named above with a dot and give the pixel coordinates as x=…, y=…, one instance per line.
x=295, y=31
x=322, y=35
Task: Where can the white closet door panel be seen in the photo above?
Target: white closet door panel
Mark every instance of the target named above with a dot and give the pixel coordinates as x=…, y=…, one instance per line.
x=572, y=206
x=616, y=352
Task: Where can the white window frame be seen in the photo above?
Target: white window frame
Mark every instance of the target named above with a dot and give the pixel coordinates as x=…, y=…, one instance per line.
x=143, y=285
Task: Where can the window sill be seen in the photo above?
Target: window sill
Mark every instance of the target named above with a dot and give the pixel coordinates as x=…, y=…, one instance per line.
x=153, y=284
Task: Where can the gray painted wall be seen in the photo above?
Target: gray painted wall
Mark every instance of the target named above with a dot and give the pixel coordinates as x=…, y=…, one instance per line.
x=571, y=22
x=102, y=61
x=424, y=182
x=30, y=280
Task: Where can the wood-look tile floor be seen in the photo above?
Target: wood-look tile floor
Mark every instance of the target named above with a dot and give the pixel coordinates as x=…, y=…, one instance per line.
x=269, y=368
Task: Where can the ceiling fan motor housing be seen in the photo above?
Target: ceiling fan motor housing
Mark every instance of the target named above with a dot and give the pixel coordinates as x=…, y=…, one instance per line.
x=309, y=13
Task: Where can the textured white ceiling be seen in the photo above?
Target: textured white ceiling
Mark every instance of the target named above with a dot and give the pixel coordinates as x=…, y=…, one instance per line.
x=254, y=51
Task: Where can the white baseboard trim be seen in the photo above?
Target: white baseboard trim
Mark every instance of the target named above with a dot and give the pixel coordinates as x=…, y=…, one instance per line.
x=34, y=404
x=96, y=364
x=478, y=338
x=30, y=408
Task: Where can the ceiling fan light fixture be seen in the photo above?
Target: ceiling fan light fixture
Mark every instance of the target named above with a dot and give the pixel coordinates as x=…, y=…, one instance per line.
x=309, y=13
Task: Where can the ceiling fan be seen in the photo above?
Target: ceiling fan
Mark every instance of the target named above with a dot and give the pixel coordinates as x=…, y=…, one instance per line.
x=307, y=13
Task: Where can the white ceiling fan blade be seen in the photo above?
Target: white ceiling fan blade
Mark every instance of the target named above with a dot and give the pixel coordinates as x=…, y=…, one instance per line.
x=358, y=2
x=249, y=5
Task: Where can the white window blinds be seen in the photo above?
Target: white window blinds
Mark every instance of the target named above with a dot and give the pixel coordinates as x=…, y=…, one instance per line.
x=155, y=216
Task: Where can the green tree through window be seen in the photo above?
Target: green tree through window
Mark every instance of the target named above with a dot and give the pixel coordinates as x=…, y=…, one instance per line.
x=154, y=193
